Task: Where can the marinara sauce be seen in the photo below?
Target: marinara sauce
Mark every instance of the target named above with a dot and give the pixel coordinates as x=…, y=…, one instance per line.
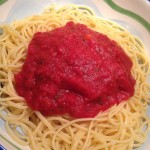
x=74, y=70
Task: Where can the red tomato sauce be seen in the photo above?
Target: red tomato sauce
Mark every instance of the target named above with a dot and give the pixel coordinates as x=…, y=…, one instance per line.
x=74, y=70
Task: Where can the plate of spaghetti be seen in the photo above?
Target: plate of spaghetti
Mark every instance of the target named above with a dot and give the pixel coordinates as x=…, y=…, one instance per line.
x=74, y=75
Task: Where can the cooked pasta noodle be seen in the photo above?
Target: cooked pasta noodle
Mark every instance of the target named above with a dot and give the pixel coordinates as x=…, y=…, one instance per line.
x=124, y=126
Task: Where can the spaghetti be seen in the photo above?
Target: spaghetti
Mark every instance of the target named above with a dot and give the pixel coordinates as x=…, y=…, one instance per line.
x=124, y=126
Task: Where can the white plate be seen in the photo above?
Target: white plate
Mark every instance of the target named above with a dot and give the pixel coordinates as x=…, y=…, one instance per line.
x=133, y=15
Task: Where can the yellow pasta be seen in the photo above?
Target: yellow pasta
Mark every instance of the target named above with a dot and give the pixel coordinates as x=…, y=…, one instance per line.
x=124, y=126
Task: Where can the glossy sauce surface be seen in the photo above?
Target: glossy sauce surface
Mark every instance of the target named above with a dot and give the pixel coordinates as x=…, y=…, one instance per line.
x=74, y=70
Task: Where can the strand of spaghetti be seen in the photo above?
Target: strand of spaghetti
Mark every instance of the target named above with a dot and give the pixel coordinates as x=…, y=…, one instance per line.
x=4, y=74
x=3, y=53
x=4, y=91
x=4, y=36
x=45, y=138
x=15, y=33
x=11, y=133
x=78, y=136
x=13, y=66
x=12, y=90
x=3, y=80
x=37, y=128
x=17, y=105
x=44, y=120
x=10, y=117
x=70, y=123
x=88, y=135
x=15, y=98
